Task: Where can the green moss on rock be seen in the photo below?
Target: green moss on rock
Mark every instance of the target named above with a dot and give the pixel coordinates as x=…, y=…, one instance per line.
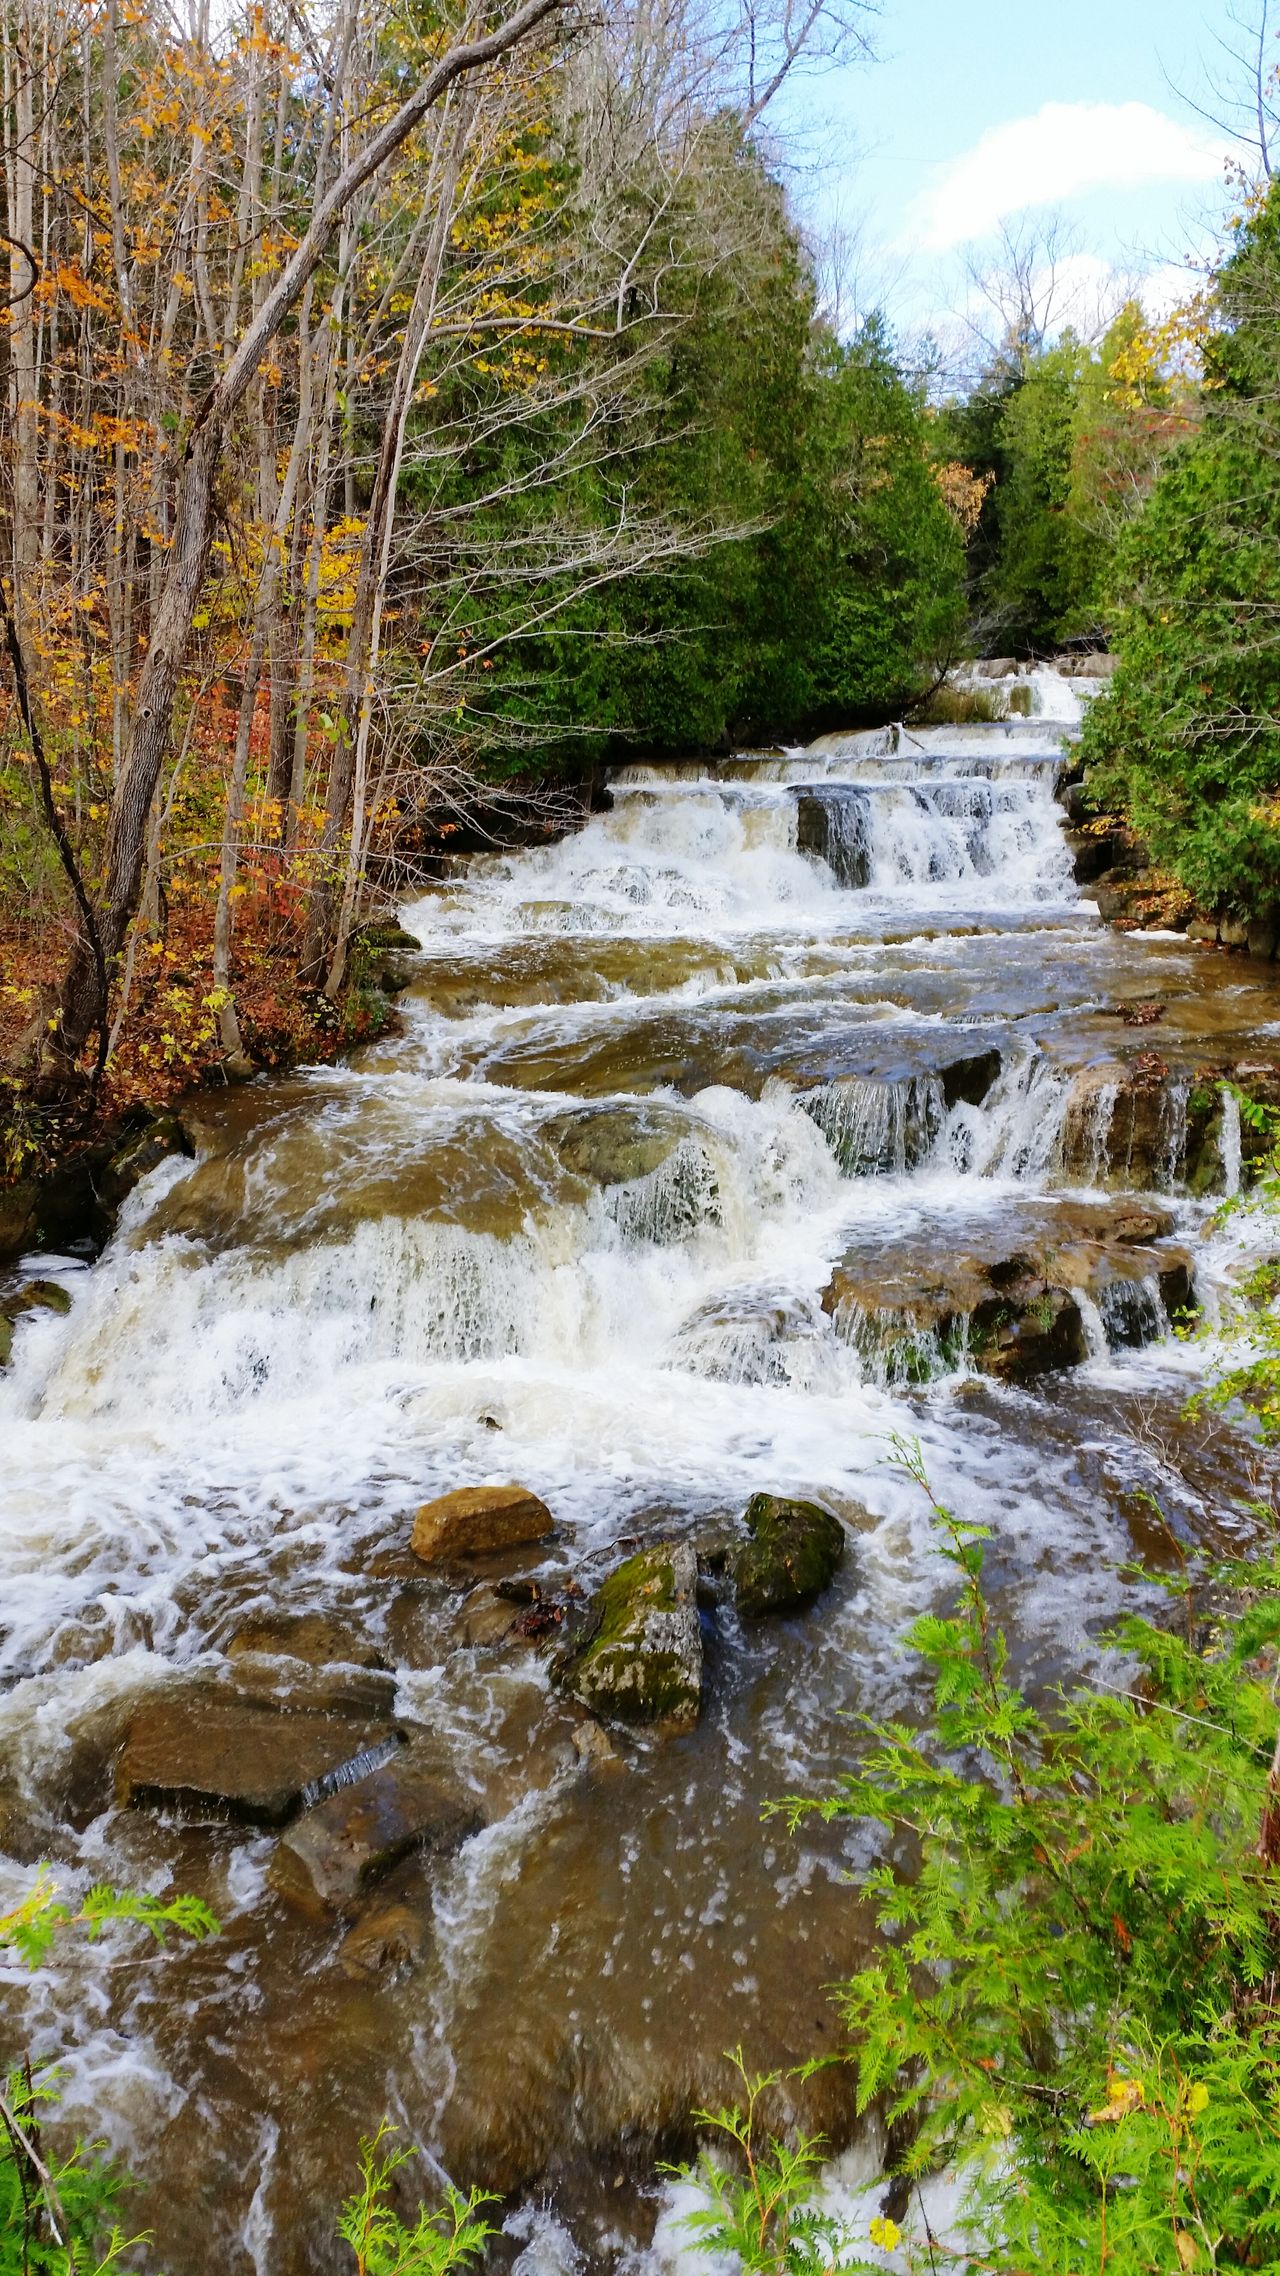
x=792, y=1556
x=639, y=1657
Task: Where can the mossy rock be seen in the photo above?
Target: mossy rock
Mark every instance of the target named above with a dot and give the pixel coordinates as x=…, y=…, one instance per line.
x=792, y=1556
x=134, y=1160
x=639, y=1656
x=391, y=939
x=35, y=1296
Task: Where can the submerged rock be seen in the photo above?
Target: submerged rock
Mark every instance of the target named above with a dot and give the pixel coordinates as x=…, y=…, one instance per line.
x=477, y=1521
x=386, y=1940
x=592, y=1744
x=615, y=1144
x=335, y=1852
x=210, y=1752
x=792, y=1556
x=638, y=1657
x=316, y=1638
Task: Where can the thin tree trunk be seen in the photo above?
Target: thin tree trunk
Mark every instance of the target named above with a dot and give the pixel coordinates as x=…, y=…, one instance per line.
x=325, y=943
x=192, y=532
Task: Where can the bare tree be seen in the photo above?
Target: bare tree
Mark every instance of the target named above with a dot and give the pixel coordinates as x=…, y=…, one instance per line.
x=1243, y=86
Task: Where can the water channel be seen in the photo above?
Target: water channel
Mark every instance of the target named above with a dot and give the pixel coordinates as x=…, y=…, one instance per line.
x=709, y=1134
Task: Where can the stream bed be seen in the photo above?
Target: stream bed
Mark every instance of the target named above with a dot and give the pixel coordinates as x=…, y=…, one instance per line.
x=793, y=1104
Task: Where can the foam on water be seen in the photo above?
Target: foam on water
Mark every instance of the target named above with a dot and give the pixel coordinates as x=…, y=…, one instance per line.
x=429, y=1269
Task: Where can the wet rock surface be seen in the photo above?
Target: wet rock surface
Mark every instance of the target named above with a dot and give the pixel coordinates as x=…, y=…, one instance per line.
x=478, y=1521
x=1007, y=1298
x=251, y=1752
x=792, y=1556
x=638, y=1657
x=335, y=1852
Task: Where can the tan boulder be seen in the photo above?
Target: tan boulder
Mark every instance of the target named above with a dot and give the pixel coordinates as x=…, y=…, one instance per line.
x=476, y=1521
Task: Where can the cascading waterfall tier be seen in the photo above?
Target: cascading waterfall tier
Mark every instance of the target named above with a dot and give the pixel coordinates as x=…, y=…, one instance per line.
x=722, y=1144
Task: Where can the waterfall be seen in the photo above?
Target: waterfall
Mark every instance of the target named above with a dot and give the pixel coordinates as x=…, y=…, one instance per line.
x=1230, y=1143
x=707, y=1135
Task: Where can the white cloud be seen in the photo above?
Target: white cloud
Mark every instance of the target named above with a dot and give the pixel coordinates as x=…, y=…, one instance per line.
x=1064, y=149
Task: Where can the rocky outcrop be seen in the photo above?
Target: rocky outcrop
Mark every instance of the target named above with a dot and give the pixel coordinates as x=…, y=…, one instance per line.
x=1027, y=1328
x=1013, y=1306
x=73, y=1208
x=383, y=958
x=1146, y=1124
x=638, y=1655
x=254, y=1749
x=792, y=1556
x=32, y=1296
x=134, y=1160
x=478, y=1521
x=333, y=1854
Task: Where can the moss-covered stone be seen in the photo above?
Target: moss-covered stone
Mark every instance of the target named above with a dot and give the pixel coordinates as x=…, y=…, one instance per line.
x=139, y=1156
x=791, y=1557
x=638, y=1657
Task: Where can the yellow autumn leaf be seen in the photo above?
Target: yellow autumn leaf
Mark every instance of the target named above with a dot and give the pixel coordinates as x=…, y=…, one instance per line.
x=885, y=2233
x=1124, y=2096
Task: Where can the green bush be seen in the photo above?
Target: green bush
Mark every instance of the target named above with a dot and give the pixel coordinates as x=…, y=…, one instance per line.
x=57, y=2211
x=440, y=2240
x=1074, y=2009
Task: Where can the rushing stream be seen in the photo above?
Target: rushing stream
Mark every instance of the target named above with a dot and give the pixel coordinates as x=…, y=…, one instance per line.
x=712, y=1136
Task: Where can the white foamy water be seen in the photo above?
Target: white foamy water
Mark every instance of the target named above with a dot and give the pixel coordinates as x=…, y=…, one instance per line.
x=575, y=1227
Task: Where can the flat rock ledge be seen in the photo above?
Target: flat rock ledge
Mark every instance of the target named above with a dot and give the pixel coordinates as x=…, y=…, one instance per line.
x=479, y=1521
x=638, y=1655
x=252, y=1753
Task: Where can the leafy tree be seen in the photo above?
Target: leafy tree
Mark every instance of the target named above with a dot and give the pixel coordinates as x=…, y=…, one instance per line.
x=1187, y=742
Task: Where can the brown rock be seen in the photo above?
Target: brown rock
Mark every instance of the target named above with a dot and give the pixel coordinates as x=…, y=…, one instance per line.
x=485, y=1618
x=592, y=1744
x=314, y=1637
x=210, y=1755
x=386, y=1940
x=476, y=1521
x=335, y=1852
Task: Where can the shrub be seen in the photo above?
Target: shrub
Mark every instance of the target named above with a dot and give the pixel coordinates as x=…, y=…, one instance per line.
x=1074, y=2008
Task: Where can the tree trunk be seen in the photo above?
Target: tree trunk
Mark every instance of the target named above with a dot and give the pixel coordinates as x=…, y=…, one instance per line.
x=188, y=561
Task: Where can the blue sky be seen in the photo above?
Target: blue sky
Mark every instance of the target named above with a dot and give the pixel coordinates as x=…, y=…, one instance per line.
x=979, y=109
